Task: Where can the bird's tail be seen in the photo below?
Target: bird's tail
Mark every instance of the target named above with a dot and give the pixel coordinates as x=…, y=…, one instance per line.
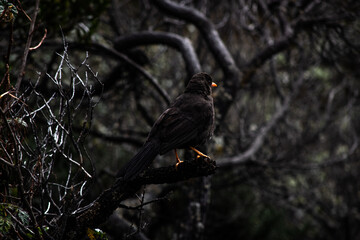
x=139, y=162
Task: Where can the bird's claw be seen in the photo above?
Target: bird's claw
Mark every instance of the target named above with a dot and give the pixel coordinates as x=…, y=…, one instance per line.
x=178, y=163
x=205, y=158
x=200, y=154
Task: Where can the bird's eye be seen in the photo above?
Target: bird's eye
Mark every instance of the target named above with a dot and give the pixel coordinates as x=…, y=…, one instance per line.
x=208, y=79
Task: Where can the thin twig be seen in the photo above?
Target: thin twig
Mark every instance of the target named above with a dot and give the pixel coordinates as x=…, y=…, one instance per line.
x=142, y=204
x=41, y=41
x=27, y=46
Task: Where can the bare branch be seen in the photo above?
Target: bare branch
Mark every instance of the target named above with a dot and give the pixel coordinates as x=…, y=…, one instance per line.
x=182, y=44
x=27, y=46
x=41, y=41
x=115, y=54
x=257, y=143
x=208, y=31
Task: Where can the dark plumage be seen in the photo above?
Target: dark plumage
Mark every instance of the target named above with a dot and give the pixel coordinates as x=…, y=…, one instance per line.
x=187, y=123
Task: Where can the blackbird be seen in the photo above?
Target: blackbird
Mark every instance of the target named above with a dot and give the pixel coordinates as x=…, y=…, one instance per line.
x=187, y=123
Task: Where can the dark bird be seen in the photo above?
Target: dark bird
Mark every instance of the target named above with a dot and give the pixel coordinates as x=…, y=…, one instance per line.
x=187, y=123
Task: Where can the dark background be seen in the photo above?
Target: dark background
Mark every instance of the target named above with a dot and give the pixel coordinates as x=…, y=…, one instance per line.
x=287, y=114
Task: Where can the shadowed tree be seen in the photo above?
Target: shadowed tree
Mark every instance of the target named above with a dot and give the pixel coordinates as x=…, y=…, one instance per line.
x=286, y=136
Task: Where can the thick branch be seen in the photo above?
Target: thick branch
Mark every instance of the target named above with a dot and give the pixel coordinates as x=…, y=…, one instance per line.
x=207, y=29
x=98, y=211
x=183, y=45
x=260, y=58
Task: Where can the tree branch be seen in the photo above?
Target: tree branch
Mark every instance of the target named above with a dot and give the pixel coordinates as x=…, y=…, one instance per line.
x=118, y=55
x=286, y=41
x=260, y=58
x=27, y=46
x=118, y=138
x=207, y=29
x=259, y=140
x=99, y=210
x=109, y=52
x=183, y=45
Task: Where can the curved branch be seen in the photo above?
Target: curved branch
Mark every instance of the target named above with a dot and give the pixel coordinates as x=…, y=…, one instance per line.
x=109, y=52
x=182, y=44
x=260, y=58
x=255, y=146
x=120, y=56
x=208, y=31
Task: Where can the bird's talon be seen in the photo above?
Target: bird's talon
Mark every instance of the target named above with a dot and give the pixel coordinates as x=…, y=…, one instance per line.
x=200, y=154
x=177, y=164
x=178, y=161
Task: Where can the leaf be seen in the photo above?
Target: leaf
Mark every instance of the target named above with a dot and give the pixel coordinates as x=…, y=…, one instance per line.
x=24, y=217
x=90, y=234
x=10, y=11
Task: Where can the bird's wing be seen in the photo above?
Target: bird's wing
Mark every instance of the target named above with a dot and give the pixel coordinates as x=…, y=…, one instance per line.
x=174, y=129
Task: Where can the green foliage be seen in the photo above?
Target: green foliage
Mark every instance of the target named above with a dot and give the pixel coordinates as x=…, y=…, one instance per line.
x=96, y=234
x=8, y=11
x=10, y=216
x=81, y=15
x=321, y=73
x=5, y=221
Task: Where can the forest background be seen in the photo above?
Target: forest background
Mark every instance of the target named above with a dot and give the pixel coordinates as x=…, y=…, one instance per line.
x=83, y=81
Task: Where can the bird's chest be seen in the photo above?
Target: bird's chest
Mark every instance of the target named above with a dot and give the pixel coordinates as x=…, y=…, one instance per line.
x=201, y=113
x=198, y=107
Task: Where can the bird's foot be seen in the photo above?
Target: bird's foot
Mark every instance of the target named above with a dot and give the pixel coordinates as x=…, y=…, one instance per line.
x=178, y=163
x=200, y=154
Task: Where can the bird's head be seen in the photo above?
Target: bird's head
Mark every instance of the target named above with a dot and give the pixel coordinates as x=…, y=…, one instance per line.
x=201, y=83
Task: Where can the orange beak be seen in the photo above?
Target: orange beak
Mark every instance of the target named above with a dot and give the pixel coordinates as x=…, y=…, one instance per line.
x=213, y=84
